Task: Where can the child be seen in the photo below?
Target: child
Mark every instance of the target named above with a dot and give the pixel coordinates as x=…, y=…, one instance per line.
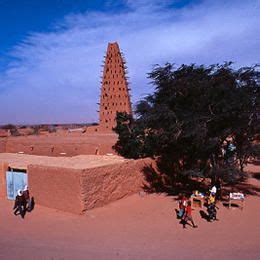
x=188, y=216
x=182, y=206
x=211, y=199
x=211, y=208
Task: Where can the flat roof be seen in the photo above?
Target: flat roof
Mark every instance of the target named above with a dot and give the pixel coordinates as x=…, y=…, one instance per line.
x=21, y=161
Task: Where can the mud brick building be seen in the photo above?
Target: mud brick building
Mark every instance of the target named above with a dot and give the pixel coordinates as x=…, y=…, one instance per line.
x=72, y=171
x=73, y=184
x=114, y=90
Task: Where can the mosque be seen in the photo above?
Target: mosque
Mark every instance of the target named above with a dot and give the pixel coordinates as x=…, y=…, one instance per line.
x=77, y=171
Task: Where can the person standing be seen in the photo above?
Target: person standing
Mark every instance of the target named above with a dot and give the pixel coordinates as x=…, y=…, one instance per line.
x=188, y=216
x=211, y=199
x=212, y=208
x=213, y=190
x=19, y=204
x=182, y=206
x=26, y=195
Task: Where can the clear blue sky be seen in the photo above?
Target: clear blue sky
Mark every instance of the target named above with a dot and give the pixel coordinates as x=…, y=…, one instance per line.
x=21, y=17
x=51, y=50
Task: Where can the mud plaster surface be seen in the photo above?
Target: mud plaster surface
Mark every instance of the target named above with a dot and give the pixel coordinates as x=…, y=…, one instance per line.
x=21, y=161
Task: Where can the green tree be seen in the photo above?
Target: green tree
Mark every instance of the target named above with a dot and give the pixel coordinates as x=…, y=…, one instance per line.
x=194, y=112
x=129, y=144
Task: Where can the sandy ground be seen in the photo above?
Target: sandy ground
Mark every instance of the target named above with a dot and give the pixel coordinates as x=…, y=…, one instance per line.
x=132, y=228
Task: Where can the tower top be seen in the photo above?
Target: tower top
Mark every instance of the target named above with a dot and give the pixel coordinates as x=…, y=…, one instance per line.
x=113, y=43
x=114, y=90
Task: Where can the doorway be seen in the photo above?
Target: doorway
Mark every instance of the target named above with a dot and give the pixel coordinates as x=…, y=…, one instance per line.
x=16, y=179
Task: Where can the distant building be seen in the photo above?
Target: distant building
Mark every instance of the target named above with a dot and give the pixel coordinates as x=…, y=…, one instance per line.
x=4, y=132
x=114, y=91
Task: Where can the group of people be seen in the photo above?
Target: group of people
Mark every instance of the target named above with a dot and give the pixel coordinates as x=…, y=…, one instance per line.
x=185, y=209
x=22, y=202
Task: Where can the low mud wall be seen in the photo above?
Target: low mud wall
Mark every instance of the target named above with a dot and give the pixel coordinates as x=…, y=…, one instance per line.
x=2, y=145
x=3, y=169
x=70, y=145
x=55, y=187
x=103, y=185
x=78, y=190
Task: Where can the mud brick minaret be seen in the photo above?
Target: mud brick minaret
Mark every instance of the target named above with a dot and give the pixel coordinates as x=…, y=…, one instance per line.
x=114, y=91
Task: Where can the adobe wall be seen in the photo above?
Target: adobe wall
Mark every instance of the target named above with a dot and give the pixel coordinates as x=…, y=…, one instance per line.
x=106, y=184
x=3, y=169
x=77, y=190
x=56, y=187
x=55, y=145
x=92, y=129
x=115, y=90
x=2, y=145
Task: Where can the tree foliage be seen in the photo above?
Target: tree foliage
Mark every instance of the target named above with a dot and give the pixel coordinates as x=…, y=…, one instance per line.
x=193, y=117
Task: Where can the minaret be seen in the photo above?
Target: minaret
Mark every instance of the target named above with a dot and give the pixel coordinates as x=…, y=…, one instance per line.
x=114, y=91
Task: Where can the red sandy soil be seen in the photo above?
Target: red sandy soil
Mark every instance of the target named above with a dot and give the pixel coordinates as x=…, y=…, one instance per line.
x=132, y=228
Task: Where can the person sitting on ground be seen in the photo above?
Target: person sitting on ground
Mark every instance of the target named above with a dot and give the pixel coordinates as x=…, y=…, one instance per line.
x=182, y=206
x=26, y=195
x=188, y=216
x=19, y=204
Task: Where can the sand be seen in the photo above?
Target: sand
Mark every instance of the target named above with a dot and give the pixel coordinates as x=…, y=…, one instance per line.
x=132, y=228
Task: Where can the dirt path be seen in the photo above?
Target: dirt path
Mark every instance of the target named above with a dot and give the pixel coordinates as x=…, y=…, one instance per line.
x=132, y=228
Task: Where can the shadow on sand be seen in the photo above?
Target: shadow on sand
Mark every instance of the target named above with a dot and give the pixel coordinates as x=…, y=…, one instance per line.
x=204, y=215
x=256, y=175
x=158, y=182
